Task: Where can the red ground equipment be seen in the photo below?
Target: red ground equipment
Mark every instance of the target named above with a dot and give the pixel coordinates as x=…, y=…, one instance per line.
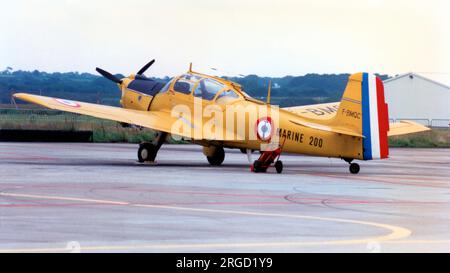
x=266, y=159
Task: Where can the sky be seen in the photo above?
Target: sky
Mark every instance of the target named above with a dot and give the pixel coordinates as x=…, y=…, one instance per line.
x=267, y=38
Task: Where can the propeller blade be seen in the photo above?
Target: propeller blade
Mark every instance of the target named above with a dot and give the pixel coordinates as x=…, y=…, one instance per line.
x=145, y=67
x=108, y=75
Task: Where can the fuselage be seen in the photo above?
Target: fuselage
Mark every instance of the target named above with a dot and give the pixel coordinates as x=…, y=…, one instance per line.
x=200, y=92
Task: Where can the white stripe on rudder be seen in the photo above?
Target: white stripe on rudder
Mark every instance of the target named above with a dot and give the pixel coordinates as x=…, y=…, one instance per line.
x=373, y=108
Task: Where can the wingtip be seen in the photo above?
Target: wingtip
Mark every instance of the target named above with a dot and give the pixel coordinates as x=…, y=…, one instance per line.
x=17, y=95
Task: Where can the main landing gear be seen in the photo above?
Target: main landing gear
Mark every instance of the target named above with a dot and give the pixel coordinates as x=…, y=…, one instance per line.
x=214, y=154
x=354, y=167
x=147, y=151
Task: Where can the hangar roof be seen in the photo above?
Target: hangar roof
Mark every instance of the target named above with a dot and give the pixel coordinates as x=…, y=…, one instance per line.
x=412, y=74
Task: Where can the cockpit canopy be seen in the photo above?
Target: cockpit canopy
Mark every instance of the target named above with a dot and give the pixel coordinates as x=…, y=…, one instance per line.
x=202, y=87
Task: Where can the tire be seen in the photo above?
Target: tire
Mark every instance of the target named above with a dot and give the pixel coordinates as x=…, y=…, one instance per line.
x=256, y=166
x=218, y=157
x=279, y=166
x=354, y=168
x=145, y=152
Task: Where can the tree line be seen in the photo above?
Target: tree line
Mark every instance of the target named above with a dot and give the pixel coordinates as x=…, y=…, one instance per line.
x=286, y=91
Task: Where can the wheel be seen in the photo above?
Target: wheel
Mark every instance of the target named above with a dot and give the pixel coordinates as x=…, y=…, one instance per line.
x=217, y=158
x=143, y=152
x=354, y=168
x=279, y=166
x=256, y=166
x=146, y=152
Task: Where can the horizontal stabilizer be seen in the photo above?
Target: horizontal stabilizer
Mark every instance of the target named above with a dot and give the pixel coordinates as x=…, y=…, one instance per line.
x=404, y=127
x=326, y=128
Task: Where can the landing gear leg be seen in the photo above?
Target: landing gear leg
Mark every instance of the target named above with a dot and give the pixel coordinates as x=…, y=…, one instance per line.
x=354, y=167
x=147, y=151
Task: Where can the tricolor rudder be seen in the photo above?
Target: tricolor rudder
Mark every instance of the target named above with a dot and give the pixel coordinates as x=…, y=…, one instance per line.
x=375, y=118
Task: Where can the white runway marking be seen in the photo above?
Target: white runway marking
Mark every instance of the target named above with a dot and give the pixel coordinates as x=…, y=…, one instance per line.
x=396, y=232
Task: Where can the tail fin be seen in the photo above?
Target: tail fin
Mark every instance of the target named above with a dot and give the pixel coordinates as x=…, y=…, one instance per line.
x=363, y=109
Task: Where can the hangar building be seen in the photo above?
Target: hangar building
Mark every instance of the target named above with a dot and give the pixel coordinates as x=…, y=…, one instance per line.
x=414, y=97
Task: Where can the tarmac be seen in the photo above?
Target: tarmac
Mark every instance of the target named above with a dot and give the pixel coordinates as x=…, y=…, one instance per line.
x=86, y=197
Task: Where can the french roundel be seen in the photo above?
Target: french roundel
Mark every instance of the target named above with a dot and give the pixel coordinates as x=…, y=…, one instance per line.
x=264, y=128
x=68, y=102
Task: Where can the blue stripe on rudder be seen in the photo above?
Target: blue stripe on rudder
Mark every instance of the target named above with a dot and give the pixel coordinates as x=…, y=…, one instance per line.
x=367, y=145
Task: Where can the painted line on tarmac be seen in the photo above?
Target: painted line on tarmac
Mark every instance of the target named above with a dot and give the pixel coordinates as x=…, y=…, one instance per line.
x=52, y=197
x=386, y=180
x=160, y=247
x=396, y=232
x=419, y=242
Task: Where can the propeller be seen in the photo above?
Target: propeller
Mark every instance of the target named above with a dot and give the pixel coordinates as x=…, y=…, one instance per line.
x=108, y=75
x=113, y=78
x=145, y=67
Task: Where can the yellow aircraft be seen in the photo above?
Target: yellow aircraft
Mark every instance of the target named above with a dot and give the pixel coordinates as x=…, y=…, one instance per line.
x=355, y=128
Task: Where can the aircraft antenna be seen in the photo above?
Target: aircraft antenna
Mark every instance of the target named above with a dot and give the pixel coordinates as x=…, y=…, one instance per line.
x=268, y=91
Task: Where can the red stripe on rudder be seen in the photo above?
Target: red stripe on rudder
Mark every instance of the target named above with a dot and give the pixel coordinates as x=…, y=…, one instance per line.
x=387, y=113
x=383, y=119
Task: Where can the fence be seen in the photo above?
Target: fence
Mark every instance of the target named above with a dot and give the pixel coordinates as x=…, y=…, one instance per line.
x=440, y=123
x=434, y=123
x=49, y=119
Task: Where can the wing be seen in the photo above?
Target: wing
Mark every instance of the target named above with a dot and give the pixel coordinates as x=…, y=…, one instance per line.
x=158, y=120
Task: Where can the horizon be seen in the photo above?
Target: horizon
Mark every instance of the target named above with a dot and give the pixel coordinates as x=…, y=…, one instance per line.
x=95, y=73
x=11, y=70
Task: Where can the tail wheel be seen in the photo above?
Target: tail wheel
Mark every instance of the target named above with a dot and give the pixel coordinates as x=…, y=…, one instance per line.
x=217, y=158
x=354, y=168
x=279, y=166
